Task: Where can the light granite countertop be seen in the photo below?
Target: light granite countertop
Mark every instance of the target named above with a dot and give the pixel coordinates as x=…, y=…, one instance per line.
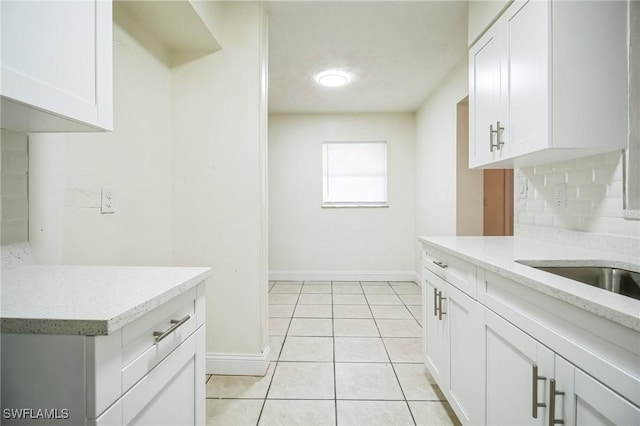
x=501, y=255
x=87, y=300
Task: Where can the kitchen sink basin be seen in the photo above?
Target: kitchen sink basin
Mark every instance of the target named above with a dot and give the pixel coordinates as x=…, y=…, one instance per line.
x=612, y=279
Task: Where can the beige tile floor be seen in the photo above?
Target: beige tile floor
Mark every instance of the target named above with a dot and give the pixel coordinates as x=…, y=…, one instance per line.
x=345, y=353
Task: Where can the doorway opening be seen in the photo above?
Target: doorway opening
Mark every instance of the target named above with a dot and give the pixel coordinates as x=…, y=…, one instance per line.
x=497, y=202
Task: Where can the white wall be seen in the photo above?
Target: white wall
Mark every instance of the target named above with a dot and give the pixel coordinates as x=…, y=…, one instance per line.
x=219, y=181
x=436, y=156
x=67, y=171
x=307, y=241
x=187, y=162
x=482, y=13
x=469, y=183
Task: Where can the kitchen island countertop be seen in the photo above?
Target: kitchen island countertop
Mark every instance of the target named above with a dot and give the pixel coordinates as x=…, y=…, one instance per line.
x=87, y=300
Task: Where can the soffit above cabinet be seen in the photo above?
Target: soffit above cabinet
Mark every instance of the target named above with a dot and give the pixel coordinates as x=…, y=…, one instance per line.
x=183, y=26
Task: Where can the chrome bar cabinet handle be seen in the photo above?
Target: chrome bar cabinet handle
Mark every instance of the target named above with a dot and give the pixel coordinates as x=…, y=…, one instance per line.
x=491, y=132
x=498, y=131
x=441, y=264
x=435, y=302
x=159, y=335
x=552, y=404
x=534, y=397
x=440, y=311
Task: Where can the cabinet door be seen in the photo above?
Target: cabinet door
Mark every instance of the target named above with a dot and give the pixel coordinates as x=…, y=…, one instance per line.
x=435, y=328
x=525, y=74
x=511, y=359
x=484, y=97
x=56, y=65
x=173, y=392
x=588, y=402
x=466, y=356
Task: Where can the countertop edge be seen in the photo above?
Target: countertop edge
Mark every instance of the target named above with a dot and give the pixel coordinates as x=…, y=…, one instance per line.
x=134, y=313
x=594, y=306
x=100, y=327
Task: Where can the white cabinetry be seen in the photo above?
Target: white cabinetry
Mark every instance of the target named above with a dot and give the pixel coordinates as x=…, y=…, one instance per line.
x=513, y=360
x=149, y=372
x=533, y=346
x=485, y=99
x=452, y=327
x=547, y=82
x=505, y=354
x=56, y=65
x=528, y=384
x=435, y=328
x=585, y=401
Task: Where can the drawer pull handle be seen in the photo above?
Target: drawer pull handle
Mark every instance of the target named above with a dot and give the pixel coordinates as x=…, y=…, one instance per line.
x=159, y=335
x=441, y=264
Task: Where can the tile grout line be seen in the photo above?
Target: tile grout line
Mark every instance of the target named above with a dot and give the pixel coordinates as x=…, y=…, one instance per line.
x=406, y=306
x=391, y=362
x=277, y=361
x=334, y=360
x=333, y=335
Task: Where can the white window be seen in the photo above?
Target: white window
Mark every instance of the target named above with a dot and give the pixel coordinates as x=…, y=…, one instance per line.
x=354, y=174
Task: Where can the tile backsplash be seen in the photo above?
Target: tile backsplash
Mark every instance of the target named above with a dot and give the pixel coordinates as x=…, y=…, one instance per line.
x=14, y=187
x=594, y=196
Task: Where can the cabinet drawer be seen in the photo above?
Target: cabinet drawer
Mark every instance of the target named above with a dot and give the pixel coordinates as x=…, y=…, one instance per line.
x=167, y=394
x=452, y=269
x=175, y=320
x=118, y=361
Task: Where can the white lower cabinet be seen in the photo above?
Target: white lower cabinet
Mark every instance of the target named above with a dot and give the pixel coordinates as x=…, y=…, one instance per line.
x=513, y=356
x=170, y=394
x=149, y=372
x=452, y=326
x=518, y=369
x=529, y=384
x=582, y=400
x=435, y=328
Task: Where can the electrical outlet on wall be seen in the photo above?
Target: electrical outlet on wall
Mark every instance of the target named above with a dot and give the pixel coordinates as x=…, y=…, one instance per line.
x=521, y=185
x=560, y=195
x=107, y=205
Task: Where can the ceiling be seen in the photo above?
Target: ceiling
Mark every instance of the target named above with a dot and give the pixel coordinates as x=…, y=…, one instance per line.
x=398, y=52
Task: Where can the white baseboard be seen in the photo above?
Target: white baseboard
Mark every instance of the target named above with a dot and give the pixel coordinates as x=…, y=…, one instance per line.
x=238, y=364
x=342, y=276
x=417, y=279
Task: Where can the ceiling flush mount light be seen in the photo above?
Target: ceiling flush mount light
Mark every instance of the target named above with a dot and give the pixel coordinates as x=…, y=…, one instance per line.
x=333, y=78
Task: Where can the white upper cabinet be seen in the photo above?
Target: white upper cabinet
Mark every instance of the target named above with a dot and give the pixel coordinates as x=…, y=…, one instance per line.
x=485, y=98
x=548, y=82
x=57, y=65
